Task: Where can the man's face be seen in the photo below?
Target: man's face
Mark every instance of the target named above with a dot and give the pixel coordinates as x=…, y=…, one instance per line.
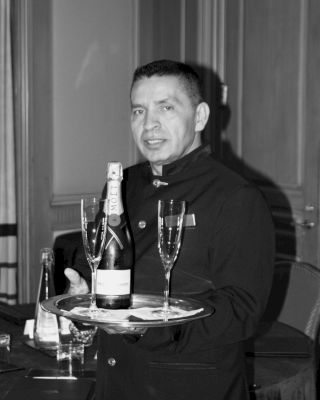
x=163, y=120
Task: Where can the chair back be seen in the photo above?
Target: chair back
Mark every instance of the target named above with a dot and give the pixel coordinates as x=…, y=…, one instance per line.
x=295, y=296
x=66, y=251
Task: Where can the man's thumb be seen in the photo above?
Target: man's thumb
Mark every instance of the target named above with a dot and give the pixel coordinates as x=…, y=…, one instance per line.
x=73, y=276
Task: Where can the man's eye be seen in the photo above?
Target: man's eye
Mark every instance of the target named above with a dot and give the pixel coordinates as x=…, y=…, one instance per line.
x=137, y=112
x=167, y=108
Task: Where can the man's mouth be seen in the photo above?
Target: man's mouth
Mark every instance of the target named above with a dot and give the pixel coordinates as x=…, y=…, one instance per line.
x=154, y=142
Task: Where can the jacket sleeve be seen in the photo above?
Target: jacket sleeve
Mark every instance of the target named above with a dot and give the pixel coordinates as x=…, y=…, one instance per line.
x=241, y=257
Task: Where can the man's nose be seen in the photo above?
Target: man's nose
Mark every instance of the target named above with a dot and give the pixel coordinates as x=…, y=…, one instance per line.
x=151, y=121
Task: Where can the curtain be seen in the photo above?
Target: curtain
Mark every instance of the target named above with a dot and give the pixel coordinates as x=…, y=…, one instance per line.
x=8, y=226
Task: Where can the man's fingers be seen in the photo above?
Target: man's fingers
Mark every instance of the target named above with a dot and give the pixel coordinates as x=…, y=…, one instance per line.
x=77, y=284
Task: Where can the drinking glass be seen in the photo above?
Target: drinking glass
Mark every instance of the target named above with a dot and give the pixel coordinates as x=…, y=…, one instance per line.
x=75, y=332
x=5, y=341
x=70, y=359
x=82, y=333
x=170, y=225
x=94, y=232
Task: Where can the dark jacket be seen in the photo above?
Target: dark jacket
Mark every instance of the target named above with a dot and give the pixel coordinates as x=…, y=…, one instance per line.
x=226, y=260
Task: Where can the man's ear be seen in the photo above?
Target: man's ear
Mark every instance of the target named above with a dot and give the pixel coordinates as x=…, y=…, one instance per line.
x=202, y=116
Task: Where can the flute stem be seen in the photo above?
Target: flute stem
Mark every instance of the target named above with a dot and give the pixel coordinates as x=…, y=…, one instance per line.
x=167, y=289
x=93, y=304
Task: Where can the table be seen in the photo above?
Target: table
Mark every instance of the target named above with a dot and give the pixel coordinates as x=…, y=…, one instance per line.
x=27, y=357
x=280, y=361
x=280, y=364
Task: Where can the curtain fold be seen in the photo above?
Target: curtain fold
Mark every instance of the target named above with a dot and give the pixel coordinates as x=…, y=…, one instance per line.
x=8, y=220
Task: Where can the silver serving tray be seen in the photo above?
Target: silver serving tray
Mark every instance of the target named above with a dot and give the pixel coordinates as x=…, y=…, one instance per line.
x=64, y=304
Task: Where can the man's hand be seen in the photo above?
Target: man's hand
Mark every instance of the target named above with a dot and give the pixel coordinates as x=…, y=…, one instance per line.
x=78, y=285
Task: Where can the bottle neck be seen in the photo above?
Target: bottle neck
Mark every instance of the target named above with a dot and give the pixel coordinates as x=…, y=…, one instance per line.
x=46, y=272
x=46, y=288
x=115, y=206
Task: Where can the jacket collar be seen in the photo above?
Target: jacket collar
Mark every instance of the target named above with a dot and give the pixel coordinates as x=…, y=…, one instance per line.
x=181, y=164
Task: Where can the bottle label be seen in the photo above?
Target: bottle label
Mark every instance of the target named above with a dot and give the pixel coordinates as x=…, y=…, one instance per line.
x=114, y=200
x=113, y=282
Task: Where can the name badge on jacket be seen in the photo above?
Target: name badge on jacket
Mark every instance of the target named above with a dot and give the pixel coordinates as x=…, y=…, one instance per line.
x=189, y=221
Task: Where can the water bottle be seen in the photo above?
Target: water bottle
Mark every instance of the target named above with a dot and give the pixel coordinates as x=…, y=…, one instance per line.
x=45, y=331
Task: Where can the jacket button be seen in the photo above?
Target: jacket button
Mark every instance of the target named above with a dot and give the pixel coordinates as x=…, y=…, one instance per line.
x=112, y=362
x=156, y=183
x=142, y=224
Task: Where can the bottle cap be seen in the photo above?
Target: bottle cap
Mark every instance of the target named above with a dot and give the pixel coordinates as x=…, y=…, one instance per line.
x=114, y=171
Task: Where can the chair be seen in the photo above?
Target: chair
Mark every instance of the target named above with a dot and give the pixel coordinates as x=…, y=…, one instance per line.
x=295, y=296
x=294, y=301
x=67, y=251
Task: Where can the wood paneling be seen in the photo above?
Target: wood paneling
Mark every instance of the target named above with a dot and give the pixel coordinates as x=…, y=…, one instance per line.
x=271, y=64
x=40, y=212
x=274, y=43
x=160, y=30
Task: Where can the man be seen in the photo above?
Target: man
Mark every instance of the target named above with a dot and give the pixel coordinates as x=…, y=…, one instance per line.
x=226, y=257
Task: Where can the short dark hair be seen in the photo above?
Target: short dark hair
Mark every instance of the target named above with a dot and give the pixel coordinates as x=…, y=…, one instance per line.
x=184, y=72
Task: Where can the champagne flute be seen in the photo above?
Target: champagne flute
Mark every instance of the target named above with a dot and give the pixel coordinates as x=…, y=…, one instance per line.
x=94, y=232
x=170, y=224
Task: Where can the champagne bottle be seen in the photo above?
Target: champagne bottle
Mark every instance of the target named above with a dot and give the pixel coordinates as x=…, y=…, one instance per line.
x=113, y=289
x=45, y=331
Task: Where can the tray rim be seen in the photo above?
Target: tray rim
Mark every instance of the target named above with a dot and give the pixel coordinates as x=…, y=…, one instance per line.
x=51, y=305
